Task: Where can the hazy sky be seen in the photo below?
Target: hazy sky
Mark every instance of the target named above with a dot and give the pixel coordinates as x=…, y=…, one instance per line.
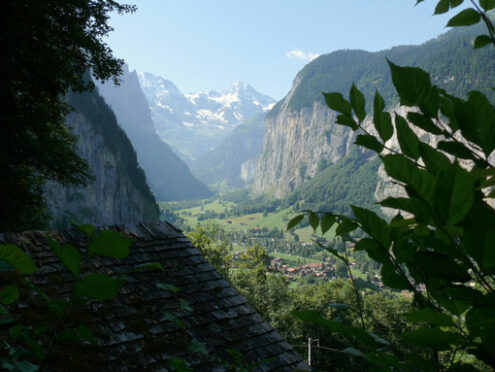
x=209, y=44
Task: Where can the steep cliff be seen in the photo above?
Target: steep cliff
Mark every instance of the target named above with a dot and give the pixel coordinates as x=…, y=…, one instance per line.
x=118, y=192
x=168, y=176
x=233, y=162
x=301, y=131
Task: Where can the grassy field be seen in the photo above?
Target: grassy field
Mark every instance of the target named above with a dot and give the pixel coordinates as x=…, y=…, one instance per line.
x=294, y=260
x=246, y=222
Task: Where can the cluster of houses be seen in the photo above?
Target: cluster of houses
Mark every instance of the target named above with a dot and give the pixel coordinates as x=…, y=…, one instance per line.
x=322, y=270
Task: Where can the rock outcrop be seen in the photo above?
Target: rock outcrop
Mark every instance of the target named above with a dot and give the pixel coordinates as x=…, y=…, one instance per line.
x=168, y=176
x=300, y=130
x=117, y=192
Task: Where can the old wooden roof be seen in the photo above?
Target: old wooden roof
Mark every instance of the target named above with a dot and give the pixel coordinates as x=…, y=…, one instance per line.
x=134, y=330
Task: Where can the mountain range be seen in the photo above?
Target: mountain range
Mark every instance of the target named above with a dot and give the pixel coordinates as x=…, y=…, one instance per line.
x=195, y=123
x=168, y=176
x=301, y=137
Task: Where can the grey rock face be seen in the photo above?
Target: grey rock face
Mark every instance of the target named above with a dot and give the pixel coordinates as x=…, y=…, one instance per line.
x=294, y=143
x=110, y=198
x=168, y=176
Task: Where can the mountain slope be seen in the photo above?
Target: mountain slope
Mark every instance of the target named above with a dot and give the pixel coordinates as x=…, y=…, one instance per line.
x=118, y=192
x=168, y=176
x=300, y=130
x=233, y=161
x=195, y=123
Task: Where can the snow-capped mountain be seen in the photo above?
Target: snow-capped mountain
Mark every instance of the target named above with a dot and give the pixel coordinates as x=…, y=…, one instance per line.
x=194, y=123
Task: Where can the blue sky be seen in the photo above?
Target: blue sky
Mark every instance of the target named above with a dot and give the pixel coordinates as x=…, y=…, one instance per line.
x=209, y=44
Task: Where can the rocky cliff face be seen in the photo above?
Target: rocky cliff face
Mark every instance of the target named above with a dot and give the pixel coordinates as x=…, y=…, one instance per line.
x=301, y=131
x=168, y=176
x=110, y=198
x=293, y=145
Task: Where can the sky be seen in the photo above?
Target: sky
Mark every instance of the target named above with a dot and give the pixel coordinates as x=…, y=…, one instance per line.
x=209, y=44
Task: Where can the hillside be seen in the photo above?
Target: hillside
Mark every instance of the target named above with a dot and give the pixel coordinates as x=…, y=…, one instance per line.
x=300, y=129
x=118, y=192
x=233, y=162
x=169, y=177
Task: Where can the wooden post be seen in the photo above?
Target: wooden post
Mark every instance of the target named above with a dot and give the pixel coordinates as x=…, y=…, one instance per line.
x=310, y=341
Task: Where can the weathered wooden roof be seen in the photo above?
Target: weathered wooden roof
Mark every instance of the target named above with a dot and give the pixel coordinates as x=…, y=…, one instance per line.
x=133, y=331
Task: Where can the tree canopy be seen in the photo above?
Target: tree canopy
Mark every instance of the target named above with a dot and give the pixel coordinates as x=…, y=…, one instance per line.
x=48, y=47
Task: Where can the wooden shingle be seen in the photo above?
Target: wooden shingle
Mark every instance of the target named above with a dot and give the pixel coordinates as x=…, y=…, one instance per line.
x=132, y=330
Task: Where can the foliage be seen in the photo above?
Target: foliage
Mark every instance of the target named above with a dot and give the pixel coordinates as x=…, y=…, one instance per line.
x=352, y=180
x=48, y=47
x=34, y=340
x=440, y=246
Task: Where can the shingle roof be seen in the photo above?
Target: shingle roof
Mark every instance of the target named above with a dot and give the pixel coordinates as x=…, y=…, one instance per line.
x=133, y=331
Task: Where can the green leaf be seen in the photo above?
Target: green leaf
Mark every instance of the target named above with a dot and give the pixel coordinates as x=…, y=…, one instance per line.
x=434, y=160
x=408, y=141
x=372, y=224
x=369, y=142
x=69, y=255
x=424, y=122
x=184, y=305
x=149, y=266
x=479, y=234
x=373, y=248
x=110, y=243
x=415, y=89
x=455, y=148
x=98, y=287
x=171, y=317
x=337, y=102
x=432, y=338
x=467, y=17
x=295, y=221
x=180, y=365
x=454, y=193
x=476, y=119
x=392, y=278
x=198, y=347
x=443, y=6
x=404, y=170
x=314, y=221
x=327, y=221
x=482, y=41
x=487, y=4
x=17, y=258
x=346, y=227
x=9, y=294
x=439, y=265
x=336, y=253
x=418, y=208
x=87, y=229
x=382, y=120
x=357, y=102
x=167, y=287
x=347, y=121
x=430, y=316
